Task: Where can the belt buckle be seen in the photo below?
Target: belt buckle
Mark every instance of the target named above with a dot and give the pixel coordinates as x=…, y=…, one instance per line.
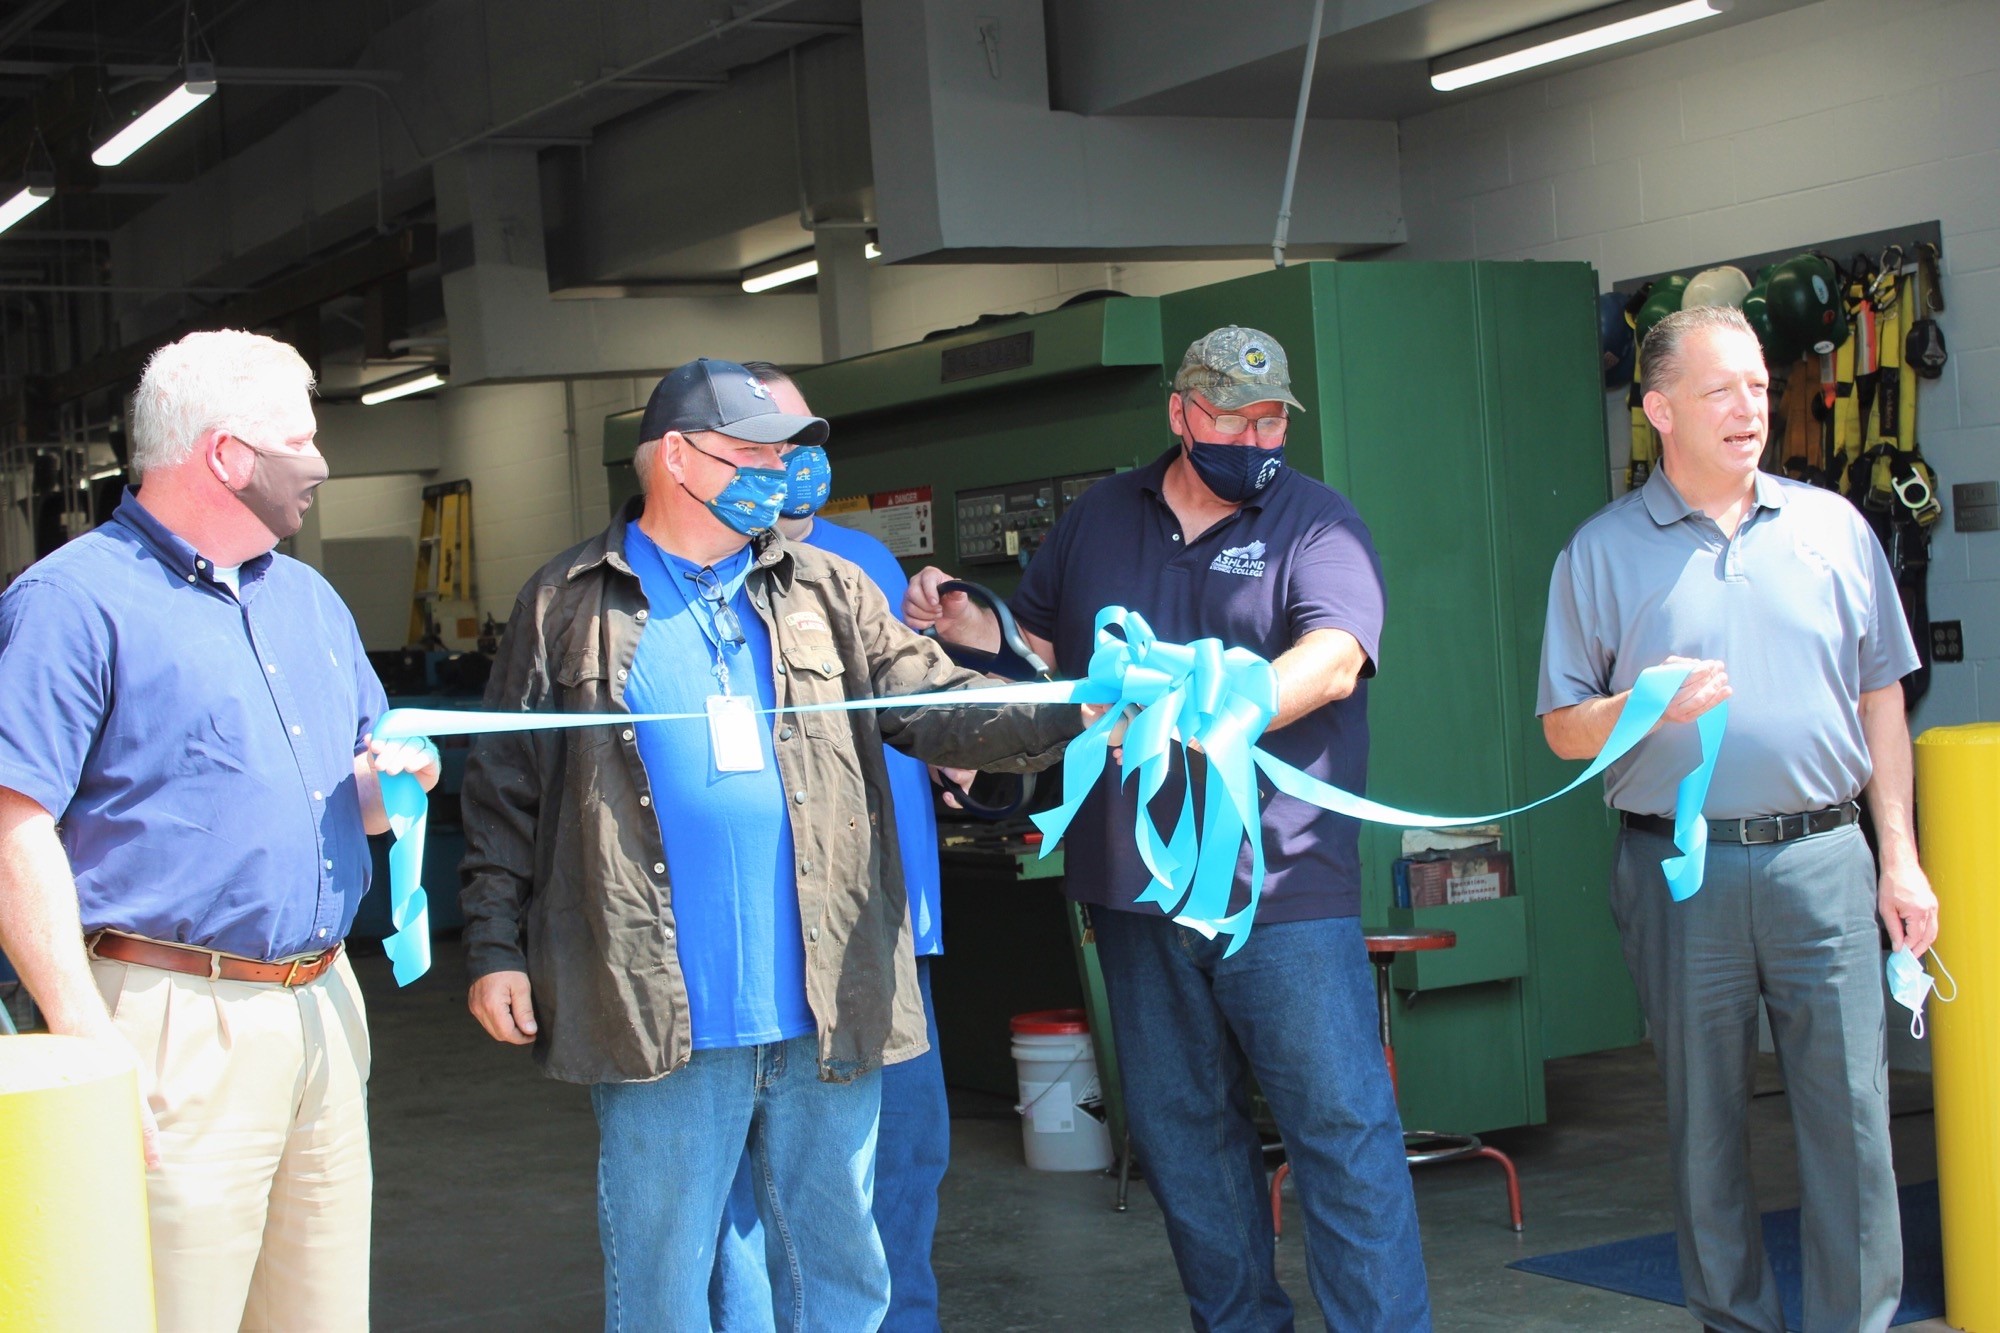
x=1777, y=830
x=292, y=976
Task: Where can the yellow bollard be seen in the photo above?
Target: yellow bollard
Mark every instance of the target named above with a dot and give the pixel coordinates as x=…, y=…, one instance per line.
x=1958, y=793
x=74, y=1248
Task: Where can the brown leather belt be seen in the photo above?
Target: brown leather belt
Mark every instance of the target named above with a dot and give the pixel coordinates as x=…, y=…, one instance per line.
x=1759, y=830
x=199, y=962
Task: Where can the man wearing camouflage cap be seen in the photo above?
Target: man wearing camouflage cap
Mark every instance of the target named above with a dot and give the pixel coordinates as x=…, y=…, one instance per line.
x=1218, y=538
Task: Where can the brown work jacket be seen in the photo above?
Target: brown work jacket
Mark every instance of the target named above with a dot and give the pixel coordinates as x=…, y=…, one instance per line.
x=565, y=874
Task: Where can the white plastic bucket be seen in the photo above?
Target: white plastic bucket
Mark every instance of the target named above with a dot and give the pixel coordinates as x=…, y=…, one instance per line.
x=1062, y=1103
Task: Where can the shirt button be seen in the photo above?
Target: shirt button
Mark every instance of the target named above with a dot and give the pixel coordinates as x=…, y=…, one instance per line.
x=190, y=578
x=670, y=929
x=784, y=733
x=641, y=615
x=805, y=867
x=781, y=668
x=627, y=733
x=295, y=730
x=201, y=564
x=318, y=797
x=645, y=800
x=329, y=865
x=621, y=673
x=1177, y=536
x=659, y=867
x=270, y=668
x=813, y=934
x=322, y=932
x=798, y=798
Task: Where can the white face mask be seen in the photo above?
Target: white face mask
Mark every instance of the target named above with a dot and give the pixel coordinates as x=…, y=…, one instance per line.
x=1909, y=985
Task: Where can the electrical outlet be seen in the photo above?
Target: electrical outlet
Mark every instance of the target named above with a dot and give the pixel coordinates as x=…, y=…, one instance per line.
x=1947, y=641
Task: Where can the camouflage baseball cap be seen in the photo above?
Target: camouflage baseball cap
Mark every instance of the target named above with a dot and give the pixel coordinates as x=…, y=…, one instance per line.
x=1234, y=367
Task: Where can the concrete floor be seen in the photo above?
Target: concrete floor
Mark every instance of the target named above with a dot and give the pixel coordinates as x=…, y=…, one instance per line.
x=485, y=1215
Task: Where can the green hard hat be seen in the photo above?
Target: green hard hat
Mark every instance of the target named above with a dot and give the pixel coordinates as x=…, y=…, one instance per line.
x=1804, y=305
x=1664, y=301
x=1756, y=309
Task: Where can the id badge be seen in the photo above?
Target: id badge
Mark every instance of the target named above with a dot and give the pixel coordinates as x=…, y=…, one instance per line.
x=732, y=734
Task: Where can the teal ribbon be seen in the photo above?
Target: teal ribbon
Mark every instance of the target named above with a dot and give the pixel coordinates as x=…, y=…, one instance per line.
x=1222, y=700
x=1200, y=693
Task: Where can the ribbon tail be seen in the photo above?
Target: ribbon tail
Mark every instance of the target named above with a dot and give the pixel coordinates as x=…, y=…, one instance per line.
x=1083, y=763
x=409, y=949
x=1684, y=872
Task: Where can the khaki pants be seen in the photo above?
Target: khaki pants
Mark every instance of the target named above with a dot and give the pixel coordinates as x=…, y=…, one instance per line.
x=260, y=1209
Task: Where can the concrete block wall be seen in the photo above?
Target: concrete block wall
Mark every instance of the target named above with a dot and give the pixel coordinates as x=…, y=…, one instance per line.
x=1837, y=118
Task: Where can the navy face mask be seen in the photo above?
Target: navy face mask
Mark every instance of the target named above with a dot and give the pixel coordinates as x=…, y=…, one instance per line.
x=809, y=480
x=1235, y=472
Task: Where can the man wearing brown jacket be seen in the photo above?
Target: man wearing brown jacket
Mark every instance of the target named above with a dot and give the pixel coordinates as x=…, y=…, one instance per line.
x=704, y=920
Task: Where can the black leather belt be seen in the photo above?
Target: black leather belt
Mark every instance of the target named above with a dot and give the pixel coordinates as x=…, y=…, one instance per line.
x=1762, y=829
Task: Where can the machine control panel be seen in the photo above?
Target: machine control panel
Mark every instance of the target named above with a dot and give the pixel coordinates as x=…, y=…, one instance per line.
x=1002, y=525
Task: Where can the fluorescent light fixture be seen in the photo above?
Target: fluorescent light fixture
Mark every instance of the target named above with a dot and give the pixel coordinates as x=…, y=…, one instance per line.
x=1559, y=41
x=430, y=379
x=198, y=87
x=22, y=204
x=766, y=276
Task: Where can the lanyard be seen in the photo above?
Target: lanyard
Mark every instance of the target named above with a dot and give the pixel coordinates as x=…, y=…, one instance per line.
x=706, y=616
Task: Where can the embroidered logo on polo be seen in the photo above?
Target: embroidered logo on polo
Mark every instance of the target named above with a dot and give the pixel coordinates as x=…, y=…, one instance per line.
x=1245, y=560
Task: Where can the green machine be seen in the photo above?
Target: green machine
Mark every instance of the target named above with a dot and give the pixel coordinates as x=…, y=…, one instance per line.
x=1460, y=407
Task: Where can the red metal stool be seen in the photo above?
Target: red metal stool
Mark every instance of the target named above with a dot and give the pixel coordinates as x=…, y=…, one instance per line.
x=1422, y=1148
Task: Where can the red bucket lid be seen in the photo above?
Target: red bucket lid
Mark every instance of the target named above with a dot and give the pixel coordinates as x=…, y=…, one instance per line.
x=1050, y=1023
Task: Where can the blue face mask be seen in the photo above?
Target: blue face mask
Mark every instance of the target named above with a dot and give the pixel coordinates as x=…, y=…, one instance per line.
x=1909, y=984
x=809, y=480
x=1235, y=472
x=751, y=501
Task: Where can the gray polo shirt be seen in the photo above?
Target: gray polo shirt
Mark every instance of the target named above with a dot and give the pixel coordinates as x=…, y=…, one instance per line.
x=1799, y=607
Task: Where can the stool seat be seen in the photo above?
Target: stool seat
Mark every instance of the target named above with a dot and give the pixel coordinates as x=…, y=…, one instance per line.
x=1413, y=940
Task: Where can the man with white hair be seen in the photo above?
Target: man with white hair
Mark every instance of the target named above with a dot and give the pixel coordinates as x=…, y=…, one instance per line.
x=186, y=786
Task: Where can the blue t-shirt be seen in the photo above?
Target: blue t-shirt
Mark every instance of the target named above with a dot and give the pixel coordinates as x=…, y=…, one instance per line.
x=1294, y=559
x=196, y=746
x=909, y=779
x=728, y=838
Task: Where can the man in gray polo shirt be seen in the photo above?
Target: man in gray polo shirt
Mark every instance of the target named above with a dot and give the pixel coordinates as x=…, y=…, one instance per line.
x=1782, y=599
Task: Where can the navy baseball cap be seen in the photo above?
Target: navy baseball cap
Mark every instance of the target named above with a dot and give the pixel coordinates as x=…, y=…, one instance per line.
x=723, y=396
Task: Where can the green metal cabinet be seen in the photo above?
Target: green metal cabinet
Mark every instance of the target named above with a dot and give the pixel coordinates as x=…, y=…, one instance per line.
x=1459, y=406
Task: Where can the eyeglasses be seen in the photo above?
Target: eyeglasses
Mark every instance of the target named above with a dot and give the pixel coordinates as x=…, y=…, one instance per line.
x=727, y=627
x=1269, y=429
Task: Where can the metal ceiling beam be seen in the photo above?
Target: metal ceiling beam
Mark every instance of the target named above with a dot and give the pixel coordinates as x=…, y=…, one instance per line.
x=17, y=25
x=807, y=27
x=237, y=74
x=262, y=307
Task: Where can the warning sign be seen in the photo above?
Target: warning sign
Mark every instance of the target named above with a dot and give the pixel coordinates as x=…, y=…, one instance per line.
x=900, y=520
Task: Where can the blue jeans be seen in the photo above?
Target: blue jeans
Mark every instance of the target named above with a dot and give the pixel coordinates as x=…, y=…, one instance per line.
x=1296, y=1007
x=668, y=1151
x=911, y=1154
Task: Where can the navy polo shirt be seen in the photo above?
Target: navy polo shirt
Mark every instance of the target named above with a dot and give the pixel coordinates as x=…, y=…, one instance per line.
x=1297, y=558
x=196, y=745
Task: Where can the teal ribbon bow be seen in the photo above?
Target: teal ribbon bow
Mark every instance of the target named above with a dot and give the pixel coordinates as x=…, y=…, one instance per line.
x=1222, y=699
x=1202, y=693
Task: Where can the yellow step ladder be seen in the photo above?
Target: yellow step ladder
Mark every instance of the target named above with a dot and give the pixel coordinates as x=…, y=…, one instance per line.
x=444, y=559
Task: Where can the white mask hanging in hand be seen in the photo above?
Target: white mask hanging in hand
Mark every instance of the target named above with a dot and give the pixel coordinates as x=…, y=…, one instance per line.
x=1909, y=984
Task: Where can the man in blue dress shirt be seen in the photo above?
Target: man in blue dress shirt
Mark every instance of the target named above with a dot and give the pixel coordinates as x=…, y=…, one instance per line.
x=913, y=1146
x=186, y=785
